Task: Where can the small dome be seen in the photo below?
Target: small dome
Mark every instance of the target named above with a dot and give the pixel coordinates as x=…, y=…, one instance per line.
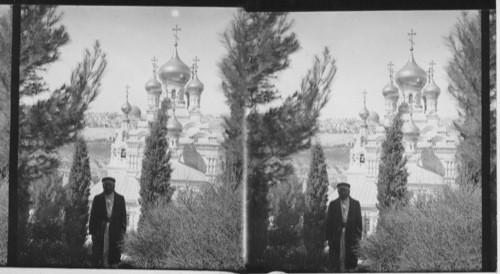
x=409, y=128
x=136, y=112
x=390, y=90
x=431, y=89
x=411, y=75
x=173, y=125
x=126, y=108
x=373, y=117
x=153, y=84
x=175, y=70
x=364, y=113
x=194, y=86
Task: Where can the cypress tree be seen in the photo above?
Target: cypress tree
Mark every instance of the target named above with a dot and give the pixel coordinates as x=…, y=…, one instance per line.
x=393, y=176
x=155, y=173
x=76, y=215
x=53, y=122
x=258, y=46
x=316, y=201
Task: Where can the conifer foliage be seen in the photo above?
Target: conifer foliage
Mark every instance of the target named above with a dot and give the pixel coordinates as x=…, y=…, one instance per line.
x=155, y=174
x=49, y=123
x=259, y=46
x=393, y=176
x=76, y=215
x=316, y=205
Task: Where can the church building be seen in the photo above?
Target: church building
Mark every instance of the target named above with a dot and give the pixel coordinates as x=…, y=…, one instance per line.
x=195, y=149
x=430, y=143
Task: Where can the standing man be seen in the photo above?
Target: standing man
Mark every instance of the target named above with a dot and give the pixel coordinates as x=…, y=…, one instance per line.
x=343, y=229
x=107, y=225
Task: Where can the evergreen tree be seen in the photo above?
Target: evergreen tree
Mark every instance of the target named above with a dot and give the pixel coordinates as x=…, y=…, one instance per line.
x=258, y=47
x=48, y=123
x=316, y=201
x=155, y=174
x=464, y=72
x=393, y=176
x=76, y=215
x=5, y=67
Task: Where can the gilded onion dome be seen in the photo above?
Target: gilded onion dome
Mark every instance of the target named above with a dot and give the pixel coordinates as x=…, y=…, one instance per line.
x=173, y=125
x=364, y=113
x=175, y=70
x=409, y=128
x=126, y=108
x=373, y=117
x=135, y=112
x=153, y=84
x=390, y=90
x=431, y=89
x=411, y=75
x=194, y=86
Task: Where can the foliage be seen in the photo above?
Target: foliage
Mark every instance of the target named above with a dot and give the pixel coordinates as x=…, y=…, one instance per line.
x=5, y=67
x=258, y=47
x=316, y=201
x=76, y=208
x=48, y=123
x=285, y=250
x=155, y=174
x=200, y=230
x=393, y=176
x=441, y=234
x=4, y=219
x=46, y=245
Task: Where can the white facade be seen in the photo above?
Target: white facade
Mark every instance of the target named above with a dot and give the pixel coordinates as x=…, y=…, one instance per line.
x=195, y=150
x=430, y=144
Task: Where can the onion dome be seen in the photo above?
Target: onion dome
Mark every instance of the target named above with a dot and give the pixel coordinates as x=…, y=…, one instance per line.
x=153, y=84
x=126, y=108
x=390, y=90
x=431, y=89
x=175, y=70
x=136, y=112
x=194, y=86
x=364, y=113
x=409, y=128
x=173, y=125
x=373, y=117
x=411, y=75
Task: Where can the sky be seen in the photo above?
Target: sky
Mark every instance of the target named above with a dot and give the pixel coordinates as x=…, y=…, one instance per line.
x=363, y=43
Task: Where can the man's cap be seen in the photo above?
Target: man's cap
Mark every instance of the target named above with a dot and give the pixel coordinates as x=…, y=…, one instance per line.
x=108, y=179
x=343, y=184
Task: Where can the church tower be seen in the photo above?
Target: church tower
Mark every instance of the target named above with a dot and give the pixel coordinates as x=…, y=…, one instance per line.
x=194, y=88
x=153, y=88
x=431, y=94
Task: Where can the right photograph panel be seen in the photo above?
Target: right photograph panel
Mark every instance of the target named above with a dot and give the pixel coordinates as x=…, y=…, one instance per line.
x=363, y=138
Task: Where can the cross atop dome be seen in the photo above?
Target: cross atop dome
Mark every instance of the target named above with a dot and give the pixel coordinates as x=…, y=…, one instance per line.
x=176, y=29
x=364, y=97
x=412, y=42
x=155, y=65
x=195, y=65
x=431, y=69
x=127, y=87
x=391, y=70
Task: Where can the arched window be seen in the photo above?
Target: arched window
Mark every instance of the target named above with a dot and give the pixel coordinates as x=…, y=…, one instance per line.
x=362, y=158
x=425, y=103
x=410, y=99
x=123, y=153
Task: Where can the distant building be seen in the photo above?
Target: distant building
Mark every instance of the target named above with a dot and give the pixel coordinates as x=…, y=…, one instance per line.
x=194, y=148
x=430, y=144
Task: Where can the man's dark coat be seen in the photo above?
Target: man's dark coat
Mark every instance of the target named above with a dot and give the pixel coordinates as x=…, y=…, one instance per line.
x=333, y=231
x=117, y=227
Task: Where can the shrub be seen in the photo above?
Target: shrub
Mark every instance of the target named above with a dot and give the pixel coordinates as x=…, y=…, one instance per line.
x=201, y=230
x=440, y=234
x=46, y=245
x=285, y=250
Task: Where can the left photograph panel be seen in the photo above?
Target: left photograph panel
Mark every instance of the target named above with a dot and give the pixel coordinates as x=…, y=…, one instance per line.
x=120, y=140
x=5, y=78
